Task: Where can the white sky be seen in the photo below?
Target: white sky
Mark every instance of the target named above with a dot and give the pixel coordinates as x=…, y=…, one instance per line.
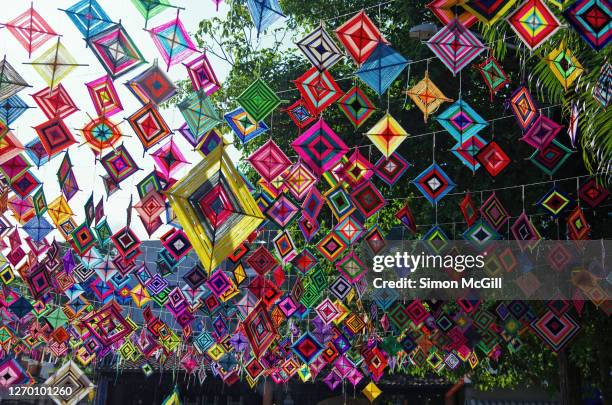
x=86, y=171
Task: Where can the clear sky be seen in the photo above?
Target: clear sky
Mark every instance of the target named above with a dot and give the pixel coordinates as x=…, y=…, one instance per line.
x=86, y=170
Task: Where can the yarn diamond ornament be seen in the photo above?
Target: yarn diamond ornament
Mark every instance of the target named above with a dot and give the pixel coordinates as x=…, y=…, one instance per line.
x=307, y=348
x=494, y=76
x=30, y=30
x=359, y=36
x=368, y=199
x=456, y=46
x=387, y=135
x=259, y=329
x=318, y=89
x=169, y=159
x=461, y=121
x=592, y=193
x=119, y=164
x=320, y=49
x=150, y=8
x=381, y=68
x=269, y=161
x=10, y=81
x=467, y=150
x=541, y=133
x=556, y=331
x=202, y=75
x=55, y=64
x=564, y=65
x=12, y=108
x=215, y=208
x=391, y=169
x=554, y=202
x=200, y=114
x=89, y=17
x=69, y=378
x=356, y=105
x=258, y=100
x=493, y=158
x=299, y=114
x=104, y=96
x=591, y=18
x=300, y=180
x=371, y=391
x=245, y=127
x=489, y=11
x=101, y=134
x=551, y=157
x=173, y=41
x=494, y=212
x=534, y=23
x=468, y=209
x=433, y=183
x=319, y=147
x=524, y=108
x=602, y=92
x=115, y=50
x=56, y=102
x=264, y=13
x=427, y=96
x=447, y=10
x=149, y=125
x=54, y=136
x=152, y=85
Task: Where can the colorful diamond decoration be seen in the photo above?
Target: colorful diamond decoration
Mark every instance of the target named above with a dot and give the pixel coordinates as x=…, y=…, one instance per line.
x=494, y=212
x=319, y=147
x=89, y=17
x=368, y=199
x=550, y=158
x=524, y=108
x=427, y=96
x=592, y=193
x=433, y=183
x=10, y=81
x=199, y=113
x=564, y=65
x=269, y=161
x=215, y=208
x=467, y=150
x=259, y=329
x=264, y=13
x=115, y=50
x=387, y=135
x=541, y=133
x=30, y=30
x=489, y=11
x=104, y=96
x=381, y=68
x=554, y=202
x=318, y=89
x=202, y=75
x=149, y=125
x=534, y=23
x=556, y=331
x=173, y=41
x=359, y=36
x=307, y=348
x=356, y=105
x=456, y=46
x=494, y=76
x=299, y=114
x=461, y=121
x=391, y=169
x=447, y=10
x=258, y=100
x=56, y=102
x=119, y=164
x=152, y=85
x=54, y=136
x=282, y=211
x=320, y=49
x=493, y=158
x=591, y=18
x=245, y=127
